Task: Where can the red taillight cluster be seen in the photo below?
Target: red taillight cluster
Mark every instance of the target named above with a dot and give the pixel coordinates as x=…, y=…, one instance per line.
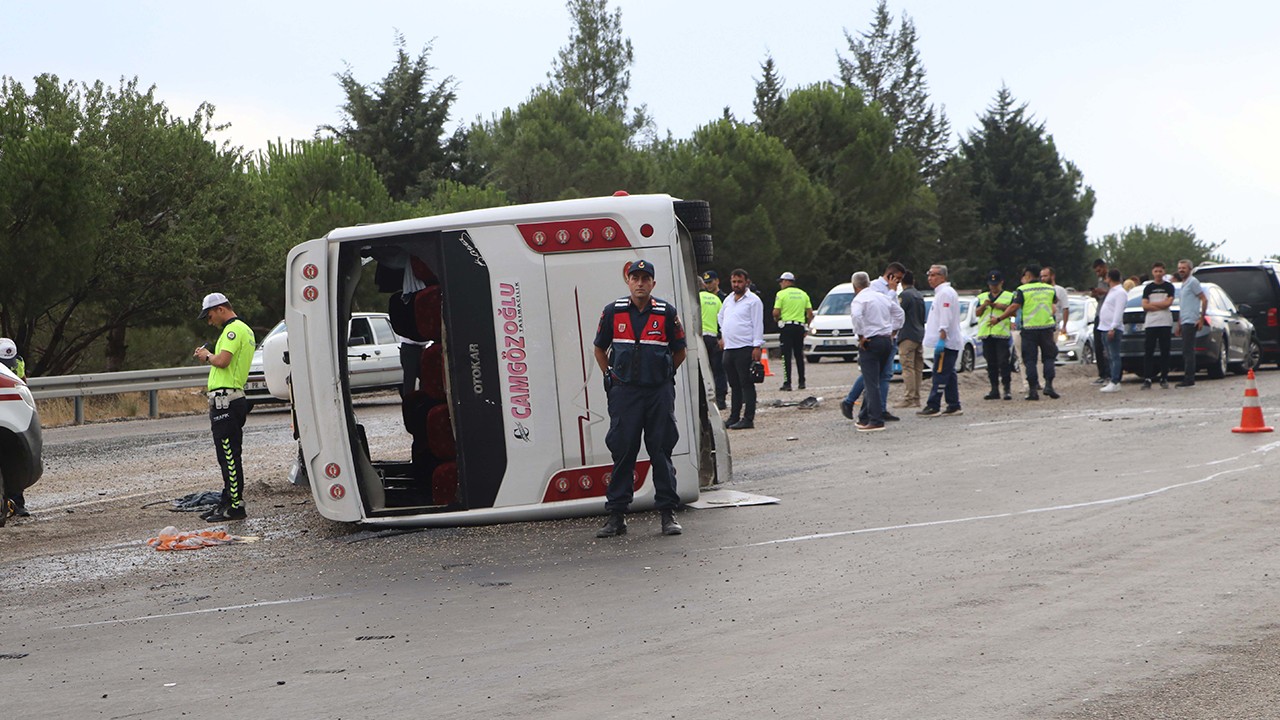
x=587, y=482
x=1272, y=320
x=574, y=235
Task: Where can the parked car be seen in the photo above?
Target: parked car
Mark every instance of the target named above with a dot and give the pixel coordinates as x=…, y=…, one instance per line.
x=21, y=463
x=1076, y=344
x=971, y=357
x=1226, y=343
x=373, y=357
x=1255, y=289
x=831, y=331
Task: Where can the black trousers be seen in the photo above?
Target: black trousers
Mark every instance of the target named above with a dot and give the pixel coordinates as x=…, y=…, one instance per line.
x=1152, y=369
x=228, y=433
x=1188, y=352
x=791, y=339
x=716, y=355
x=1100, y=353
x=1040, y=343
x=999, y=353
x=636, y=411
x=737, y=366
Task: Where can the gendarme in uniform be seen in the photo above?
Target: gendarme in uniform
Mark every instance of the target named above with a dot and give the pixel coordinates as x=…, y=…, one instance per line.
x=228, y=370
x=638, y=346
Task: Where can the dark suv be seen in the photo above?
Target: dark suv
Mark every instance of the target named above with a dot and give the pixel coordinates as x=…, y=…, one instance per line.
x=1255, y=288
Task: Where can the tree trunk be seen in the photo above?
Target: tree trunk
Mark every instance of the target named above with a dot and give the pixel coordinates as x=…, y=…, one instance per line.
x=116, y=348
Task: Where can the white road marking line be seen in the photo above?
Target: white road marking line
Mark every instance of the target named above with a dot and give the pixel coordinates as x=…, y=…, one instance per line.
x=996, y=516
x=197, y=612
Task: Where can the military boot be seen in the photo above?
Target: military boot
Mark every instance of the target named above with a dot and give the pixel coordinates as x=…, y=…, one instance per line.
x=669, y=524
x=1033, y=393
x=1007, y=395
x=614, y=526
x=1048, y=390
x=993, y=395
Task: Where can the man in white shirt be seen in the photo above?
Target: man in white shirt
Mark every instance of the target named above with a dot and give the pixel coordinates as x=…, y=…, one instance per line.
x=942, y=333
x=742, y=339
x=876, y=317
x=1111, y=326
x=1061, y=299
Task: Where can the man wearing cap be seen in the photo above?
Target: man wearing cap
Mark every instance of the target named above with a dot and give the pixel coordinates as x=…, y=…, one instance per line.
x=710, y=302
x=793, y=311
x=228, y=370
x=996, y=338
x=10, y=358
x=742, y=339
x=1038, y=303
x=639, y=346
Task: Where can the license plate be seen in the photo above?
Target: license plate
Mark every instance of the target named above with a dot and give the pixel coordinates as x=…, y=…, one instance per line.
x=256, y=385
x=835, y=342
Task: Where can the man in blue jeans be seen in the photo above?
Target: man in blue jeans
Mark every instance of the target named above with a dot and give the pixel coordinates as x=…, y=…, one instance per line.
x=862, y=281
x=942, y=333
x=876, y=317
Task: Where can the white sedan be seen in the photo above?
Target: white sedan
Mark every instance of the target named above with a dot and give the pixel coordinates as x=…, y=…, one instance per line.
x=373, y=357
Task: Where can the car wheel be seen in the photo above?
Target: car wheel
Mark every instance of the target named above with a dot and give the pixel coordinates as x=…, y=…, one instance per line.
x=1218, y=370
x=1086, y=357
x=967, y=360
x=849, y=358
x=1252, y=358
x=815, y=359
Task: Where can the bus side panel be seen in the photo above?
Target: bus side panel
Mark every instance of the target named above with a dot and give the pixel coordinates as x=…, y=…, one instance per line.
x=318, y=404
x=522, y=327
x=580, y=286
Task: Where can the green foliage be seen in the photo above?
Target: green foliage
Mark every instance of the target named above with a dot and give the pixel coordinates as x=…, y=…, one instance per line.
x=399, y=123
x=133, y=209
x=552, y=148
x=769, y=95
x=766, y=211
x=450, y=197
x=1009, y=200
x=878, y=212
x=1134, y=250
x=307, y=188
x=595, y=67
x=886, y=67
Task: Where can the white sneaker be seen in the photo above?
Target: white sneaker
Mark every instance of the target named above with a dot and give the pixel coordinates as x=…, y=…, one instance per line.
x=1110, y=387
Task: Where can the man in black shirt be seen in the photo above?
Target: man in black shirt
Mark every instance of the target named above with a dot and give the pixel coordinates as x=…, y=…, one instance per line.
x=1157, y=298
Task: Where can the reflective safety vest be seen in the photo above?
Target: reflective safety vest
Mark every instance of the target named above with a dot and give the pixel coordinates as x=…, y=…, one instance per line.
x=1037, y=306
x=1004, y=328
x=710, y=313
x=642, y=355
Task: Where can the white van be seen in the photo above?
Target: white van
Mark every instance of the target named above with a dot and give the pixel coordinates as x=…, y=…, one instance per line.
x=507, y=417
x=831, y=331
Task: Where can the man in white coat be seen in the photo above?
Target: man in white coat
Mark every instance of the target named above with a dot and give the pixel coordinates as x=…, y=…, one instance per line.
x=942, y=333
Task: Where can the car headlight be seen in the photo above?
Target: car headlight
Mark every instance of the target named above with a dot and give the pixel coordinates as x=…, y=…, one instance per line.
x=24, y=392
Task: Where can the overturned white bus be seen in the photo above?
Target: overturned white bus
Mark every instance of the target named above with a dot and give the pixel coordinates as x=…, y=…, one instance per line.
x=504, y=411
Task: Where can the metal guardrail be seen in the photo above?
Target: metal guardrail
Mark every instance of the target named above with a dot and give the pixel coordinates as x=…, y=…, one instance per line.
x=148, y=381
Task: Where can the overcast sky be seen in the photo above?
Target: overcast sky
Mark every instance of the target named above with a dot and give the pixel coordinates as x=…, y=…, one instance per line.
x=1169, y=108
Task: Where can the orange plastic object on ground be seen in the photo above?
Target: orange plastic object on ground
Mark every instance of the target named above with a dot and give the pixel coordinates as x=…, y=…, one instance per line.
x=171, y=538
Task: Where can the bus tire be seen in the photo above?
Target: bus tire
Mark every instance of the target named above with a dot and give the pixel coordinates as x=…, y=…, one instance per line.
x=703, y=250
x=694, y=214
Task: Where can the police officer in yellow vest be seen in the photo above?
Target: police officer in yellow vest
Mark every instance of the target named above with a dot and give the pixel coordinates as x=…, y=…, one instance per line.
x=1038, y=302
x=711, y=333
x=793, y=311
x=996, y=338
x=228, y=370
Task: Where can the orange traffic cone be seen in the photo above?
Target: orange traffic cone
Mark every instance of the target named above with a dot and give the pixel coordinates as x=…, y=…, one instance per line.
x=764, y=358
x=1251, y=416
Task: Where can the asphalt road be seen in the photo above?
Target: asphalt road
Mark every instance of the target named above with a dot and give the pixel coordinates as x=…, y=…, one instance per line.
x=1094, y=557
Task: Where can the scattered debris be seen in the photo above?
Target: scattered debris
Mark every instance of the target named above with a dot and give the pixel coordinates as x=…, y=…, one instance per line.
x=730, y=498
x=808, y=403
x=171, y=538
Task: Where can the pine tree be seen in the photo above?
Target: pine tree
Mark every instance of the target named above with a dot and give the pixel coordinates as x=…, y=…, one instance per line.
x=595, y=67
x=1009, y=199
x=768, y=95
x=886, y=67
